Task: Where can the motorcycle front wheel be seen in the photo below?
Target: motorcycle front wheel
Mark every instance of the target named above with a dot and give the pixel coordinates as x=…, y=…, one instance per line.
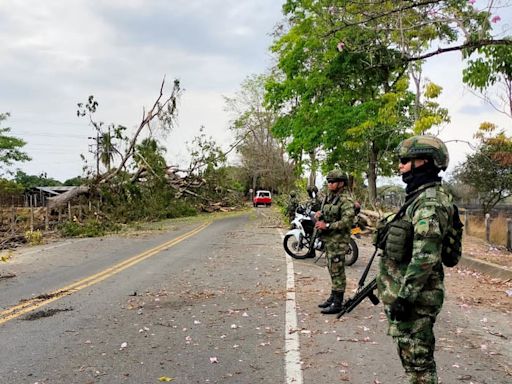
x=352, y=254
x=294, y=249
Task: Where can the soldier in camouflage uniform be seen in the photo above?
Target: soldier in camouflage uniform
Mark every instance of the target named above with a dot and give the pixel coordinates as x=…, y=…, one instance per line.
x=410, y=279
x=293, y=203
x=335, y=223
x=314, y=201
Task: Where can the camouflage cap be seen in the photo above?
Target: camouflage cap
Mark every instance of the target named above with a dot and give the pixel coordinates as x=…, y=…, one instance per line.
x=425, y=146
x=337, y=175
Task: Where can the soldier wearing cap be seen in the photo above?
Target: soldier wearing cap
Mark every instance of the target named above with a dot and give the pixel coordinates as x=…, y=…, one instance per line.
x=335, y=223
x=410, y=278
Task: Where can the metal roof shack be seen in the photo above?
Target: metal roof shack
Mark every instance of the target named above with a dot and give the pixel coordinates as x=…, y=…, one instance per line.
x=38, y=196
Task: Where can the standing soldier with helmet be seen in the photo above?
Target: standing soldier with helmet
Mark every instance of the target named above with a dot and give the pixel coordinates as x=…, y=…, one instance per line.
x=335, y=222
x=410, y=279
x=314, y=201
x=293, y=204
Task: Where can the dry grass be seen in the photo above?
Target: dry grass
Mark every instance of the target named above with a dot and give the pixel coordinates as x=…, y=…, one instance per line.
x=475, y=226
x=499, y=230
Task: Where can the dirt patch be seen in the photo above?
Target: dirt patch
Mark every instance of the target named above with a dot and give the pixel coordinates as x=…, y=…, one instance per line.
x=474, y=289
x=479, y=249
x=7, y=275
x=45, y=313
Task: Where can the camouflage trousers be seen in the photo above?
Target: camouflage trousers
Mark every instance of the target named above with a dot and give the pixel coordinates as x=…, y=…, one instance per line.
x=417, y=354
x=335, y=254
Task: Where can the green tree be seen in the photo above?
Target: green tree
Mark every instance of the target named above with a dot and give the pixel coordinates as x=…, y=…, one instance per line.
x=10, y=147
x=352, y=105
x=489, y=170
x=492, y=67
x=10, y=188
x=29, y=181
x=75, y=181
x=262, y=155
x=341, y=80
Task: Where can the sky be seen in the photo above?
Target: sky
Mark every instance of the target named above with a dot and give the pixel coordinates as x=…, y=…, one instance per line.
x=54, y=54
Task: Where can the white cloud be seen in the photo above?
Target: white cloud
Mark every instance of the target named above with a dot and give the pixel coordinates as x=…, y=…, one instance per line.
x=55, y=54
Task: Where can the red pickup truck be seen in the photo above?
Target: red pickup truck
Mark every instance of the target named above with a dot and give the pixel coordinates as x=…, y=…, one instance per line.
x=262, y=198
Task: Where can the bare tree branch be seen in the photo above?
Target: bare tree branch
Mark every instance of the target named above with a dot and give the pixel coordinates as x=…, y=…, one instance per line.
x=155, y=110
x=467, y=45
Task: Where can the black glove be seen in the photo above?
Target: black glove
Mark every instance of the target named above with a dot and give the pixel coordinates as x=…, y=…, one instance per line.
x=400, y=310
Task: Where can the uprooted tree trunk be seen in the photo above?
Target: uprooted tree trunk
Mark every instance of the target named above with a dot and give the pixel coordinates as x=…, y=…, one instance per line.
x=62, y=199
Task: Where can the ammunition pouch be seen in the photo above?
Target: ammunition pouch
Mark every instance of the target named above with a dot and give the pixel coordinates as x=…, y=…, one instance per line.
x=381, y=233
x=398, y=241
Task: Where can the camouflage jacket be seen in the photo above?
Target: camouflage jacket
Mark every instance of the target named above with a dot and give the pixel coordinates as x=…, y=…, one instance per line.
x=338, y=212
x=315, y=204
x=293, y=203
x=419, y=276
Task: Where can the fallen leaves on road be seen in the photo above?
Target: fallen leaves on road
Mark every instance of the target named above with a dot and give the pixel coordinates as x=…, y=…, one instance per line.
x=476, y=289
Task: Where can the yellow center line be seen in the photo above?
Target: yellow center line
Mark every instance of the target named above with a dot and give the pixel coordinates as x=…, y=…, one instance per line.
x=37, y=302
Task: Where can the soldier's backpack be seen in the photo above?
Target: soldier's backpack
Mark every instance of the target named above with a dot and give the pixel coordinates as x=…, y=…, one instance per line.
x=451, y=251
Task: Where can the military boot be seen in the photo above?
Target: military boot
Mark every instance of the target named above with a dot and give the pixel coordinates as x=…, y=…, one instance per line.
x=327, y=302
x=336, y=305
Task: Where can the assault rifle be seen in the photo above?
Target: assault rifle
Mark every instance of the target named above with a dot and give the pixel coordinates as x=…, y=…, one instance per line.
x=362, y=291
x=314, y=235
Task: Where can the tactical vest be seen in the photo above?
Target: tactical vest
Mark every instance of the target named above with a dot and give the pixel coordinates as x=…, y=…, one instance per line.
x=395, y=236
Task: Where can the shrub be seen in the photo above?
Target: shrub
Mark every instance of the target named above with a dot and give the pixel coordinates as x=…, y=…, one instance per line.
x=89, y=228
x=34, y=237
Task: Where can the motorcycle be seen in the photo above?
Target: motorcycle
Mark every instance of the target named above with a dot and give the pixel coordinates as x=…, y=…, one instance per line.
x=302, y=241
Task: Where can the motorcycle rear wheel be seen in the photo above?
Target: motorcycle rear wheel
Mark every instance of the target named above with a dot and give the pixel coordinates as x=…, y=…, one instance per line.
x=294, y=249
x=353, y=253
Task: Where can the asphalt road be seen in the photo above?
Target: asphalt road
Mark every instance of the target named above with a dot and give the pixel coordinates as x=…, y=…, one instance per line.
x=211, y=302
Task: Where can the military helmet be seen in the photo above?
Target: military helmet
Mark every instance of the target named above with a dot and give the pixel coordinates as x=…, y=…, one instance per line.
x=293, y=194
x=425, y=146
x=337, y=175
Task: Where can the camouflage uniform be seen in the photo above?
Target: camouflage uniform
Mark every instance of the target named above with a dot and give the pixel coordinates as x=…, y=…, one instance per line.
x=338, y=212
x=293, y=203
x=411, y=272
x=314, y=201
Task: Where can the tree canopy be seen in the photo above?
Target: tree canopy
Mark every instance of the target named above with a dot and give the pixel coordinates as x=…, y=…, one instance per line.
x=342, y=81
x=10, y=147
x=489, y=170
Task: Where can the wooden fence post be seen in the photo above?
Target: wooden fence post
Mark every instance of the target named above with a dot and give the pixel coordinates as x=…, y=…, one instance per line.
x=509, y=234
x=47, y=218
x=13, y=220
x=488, y=227
x=31, y=215
x=69, y=211
x=466, y=222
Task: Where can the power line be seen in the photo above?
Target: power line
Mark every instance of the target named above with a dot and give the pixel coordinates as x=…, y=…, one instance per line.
x=16, y=132
x=40, y=121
